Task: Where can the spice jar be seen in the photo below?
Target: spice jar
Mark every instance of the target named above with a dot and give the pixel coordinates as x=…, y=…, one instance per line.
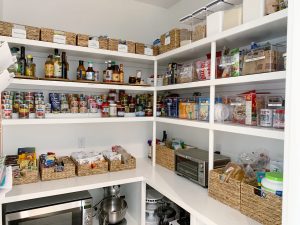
x=132, y=80
x=120, y=111
x=113, y=110
x=116, y=74
x=105, y=109
x=23, y=111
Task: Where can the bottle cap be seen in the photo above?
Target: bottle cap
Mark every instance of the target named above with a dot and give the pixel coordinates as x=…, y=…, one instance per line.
x=29, y=56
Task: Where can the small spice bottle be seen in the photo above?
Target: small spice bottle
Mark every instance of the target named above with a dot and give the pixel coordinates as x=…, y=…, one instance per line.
x=113, y=110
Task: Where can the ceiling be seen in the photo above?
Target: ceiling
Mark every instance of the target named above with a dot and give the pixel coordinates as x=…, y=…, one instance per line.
x=160, y=3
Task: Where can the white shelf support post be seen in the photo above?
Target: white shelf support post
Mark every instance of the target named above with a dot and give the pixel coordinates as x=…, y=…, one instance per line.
x=154, y=114
x=212, y=105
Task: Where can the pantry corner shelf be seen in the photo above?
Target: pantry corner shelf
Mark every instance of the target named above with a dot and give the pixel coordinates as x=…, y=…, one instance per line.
x=14, y=122
x=71, y=86
x=250, y=130
x=41, y=46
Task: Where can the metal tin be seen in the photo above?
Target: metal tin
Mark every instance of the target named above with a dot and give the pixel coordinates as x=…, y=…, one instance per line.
x=278, y=118
x=23, y=111
x=40, y=111
x=266, y=117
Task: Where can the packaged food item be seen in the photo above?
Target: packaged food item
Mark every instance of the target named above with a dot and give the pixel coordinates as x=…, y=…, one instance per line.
x=202, y=70
x=273, y=183
x=230, y=64
x=266, y=117
x=185, y=74
x=238, y=105
x=112, y=110
x=40, y=110
x=272, y=6
x=251, y=113
x=55, y=102
x=233, y=171
x=278, y=118
x=23, y=111
x=203, y=109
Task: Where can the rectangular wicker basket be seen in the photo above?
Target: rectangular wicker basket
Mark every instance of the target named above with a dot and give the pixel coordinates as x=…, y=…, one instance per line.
x=48, y=35
x=28, y=176
x=98, y=167
x=82, y=40
x=32, y=33
x=113, y=44
x=140, y=48
x=165, y=157
x=156, y=50
x=228, y=192
x=130, y=46
x=117, y=165
x=51, y=173
x=103, y=43
x=174, y=35
x=266, y=209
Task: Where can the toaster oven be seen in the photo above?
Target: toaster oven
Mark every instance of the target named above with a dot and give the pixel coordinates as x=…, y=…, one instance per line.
x=193, y=164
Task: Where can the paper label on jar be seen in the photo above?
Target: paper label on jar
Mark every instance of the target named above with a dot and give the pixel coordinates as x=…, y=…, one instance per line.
x=90, y=75
x=148, y=51
x=255, y=59
x=122, y=48
x=168, y=39
x=93, y=44
x=18, y=33
x=59, y=39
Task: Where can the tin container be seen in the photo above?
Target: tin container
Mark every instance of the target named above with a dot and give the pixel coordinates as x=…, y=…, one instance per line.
x=40, y=111
x=266, y=117
x=24, y=111
x=105, y=109
x=7, y=111
x=278, y=118
x=93, y=107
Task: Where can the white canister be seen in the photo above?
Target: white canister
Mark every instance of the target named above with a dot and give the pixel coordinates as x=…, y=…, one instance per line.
x=266, y=117
x=233, y=17
x=253, y=10
x=159, y=81
x=214, y=23
x=112, y=110
x=273, y=183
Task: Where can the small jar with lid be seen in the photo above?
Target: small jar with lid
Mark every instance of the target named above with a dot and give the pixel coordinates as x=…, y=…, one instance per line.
x=116, y=74
x=120, y=111
x=112, y=110
x=24, y=111
x=105, y=109
x=149, y=110
x=273, y=183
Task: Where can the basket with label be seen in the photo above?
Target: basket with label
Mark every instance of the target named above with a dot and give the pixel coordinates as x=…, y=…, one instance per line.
x=60, y=37
x=60, y=168
x=265, y=208
x=19, y=31
x=170, y=40
x=82, y=40
x=130, y=46
x=139, y=48
x=118, y=165
x=227, y=191
x=165, y=157
x=103, y=42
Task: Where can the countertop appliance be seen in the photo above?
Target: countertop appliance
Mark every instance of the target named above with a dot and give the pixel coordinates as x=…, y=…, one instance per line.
x=193, y=164
x=68, y=209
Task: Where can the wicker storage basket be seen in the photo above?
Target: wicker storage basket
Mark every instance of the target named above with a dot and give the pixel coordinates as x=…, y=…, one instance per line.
x=48, y=34
x=199, y=32
x=139, y=48
x=103, y=43
x=51, y=173
x=228, y=192
x=98, y=167
x=113, y=44
x=117, y=165
x=28, y=175
x=155, y=50
x=165, y=157
x=32, y=33
x=82, y=40
x=174, y=37
x=266, y=210
x=130, y=46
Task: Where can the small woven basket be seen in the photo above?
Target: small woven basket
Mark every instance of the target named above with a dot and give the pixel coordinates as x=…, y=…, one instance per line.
x=228, y=192
x=155, y=50
x=98, y=167
x=140, y=48
x=165, y=157
x=82, y=40
x=113, y=44
x=130, y=46
x=174, y=40
x=265, y=208
x=48, y=34
x=27, y=176
x=103, y=43
x=32, y=33
x=117, y=165
x=51, y=173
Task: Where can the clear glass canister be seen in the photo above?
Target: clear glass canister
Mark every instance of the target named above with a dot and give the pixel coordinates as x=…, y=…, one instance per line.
x=186, y=25
x=199, y=24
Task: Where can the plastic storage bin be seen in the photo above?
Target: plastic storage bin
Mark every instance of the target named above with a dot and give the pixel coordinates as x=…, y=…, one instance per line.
x=233, y=17
x=253, y=10
x=214, y=23
x=186, y=73
x=230, y=63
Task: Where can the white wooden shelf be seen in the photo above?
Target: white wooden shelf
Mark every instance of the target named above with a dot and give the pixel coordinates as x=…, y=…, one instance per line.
x=250, y=130
x=183, y=192
x=254, y=78
x=15, y=122
x=266, y=28
x=41, y=46
x=196, y=84
x=182, y=122
x=72, y=86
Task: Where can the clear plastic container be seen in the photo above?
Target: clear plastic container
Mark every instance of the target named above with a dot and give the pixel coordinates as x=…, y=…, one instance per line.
x=264, y=59
x=238, y=108
x=230, y=63
x=199, y=24
x=185, y=73
x=202, y=69
x=218, y=5
x=186, y=25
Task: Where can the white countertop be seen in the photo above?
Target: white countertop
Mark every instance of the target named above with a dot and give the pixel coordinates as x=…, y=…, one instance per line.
x=186, y=194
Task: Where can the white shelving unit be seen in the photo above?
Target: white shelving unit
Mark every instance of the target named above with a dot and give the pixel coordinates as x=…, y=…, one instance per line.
x=188, y=195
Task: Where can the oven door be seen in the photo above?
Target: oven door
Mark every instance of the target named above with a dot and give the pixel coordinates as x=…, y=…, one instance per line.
x=188, y=168
x=62, y=214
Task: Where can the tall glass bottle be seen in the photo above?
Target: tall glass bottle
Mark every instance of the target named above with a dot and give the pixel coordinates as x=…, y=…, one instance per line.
x=22, y=62
x=121, y=73
x=57, y=64
x=64, y=66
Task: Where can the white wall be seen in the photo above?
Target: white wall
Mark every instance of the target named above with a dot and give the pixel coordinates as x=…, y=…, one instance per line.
x=1, y=9
x=125, y=19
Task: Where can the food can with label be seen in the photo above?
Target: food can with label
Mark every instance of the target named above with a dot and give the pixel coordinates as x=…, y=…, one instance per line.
x=278, y=118
x=266, y=117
